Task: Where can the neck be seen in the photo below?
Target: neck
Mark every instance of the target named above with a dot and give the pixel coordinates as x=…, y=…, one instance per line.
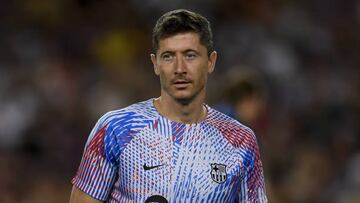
x=179, y=111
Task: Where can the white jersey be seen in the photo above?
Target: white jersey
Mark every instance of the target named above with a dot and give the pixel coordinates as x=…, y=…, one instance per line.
x=137, y=155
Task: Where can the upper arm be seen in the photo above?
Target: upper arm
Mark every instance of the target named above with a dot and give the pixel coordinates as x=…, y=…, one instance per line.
x=97, y=171
x=78, y=196
x=253, y=183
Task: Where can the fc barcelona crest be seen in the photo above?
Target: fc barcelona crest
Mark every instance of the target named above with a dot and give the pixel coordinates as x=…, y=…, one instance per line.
x=218, y=173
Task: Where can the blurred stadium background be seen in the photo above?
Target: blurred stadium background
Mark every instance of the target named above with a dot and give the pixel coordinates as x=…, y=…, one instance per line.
x=289, y=69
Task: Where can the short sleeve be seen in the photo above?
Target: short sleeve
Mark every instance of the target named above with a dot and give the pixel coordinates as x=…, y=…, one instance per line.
x=253, y=183
x=98, y=168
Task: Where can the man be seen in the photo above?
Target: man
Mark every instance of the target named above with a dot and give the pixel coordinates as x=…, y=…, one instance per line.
x=173, y=148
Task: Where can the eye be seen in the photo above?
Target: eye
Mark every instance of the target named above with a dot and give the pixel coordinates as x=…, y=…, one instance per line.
x=167, y=57
x=190, y=56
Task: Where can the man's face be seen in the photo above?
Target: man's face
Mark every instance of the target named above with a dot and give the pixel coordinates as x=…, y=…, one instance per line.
x=182, y=64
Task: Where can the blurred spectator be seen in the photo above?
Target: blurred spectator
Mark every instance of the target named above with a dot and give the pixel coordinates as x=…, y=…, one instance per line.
x=245, y=98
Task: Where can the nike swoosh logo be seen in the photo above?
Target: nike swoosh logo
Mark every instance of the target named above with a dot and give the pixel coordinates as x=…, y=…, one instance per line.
x=146, y=168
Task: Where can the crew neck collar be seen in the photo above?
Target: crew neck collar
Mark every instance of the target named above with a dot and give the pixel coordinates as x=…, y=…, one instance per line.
x=208, y=112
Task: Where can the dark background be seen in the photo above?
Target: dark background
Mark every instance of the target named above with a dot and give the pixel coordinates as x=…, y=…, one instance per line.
x=288, y=69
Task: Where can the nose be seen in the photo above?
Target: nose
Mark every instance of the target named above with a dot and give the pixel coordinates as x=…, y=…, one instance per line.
x=180, y=65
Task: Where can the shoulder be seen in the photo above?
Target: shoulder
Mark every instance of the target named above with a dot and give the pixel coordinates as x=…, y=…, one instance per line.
x=225, y=122
x=238, y=134
x=136, y=114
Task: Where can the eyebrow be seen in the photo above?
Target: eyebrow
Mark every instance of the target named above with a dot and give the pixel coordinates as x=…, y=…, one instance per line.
x=185, y=51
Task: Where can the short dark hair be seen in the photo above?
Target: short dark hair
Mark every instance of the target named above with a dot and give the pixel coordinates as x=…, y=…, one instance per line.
x=181, y=21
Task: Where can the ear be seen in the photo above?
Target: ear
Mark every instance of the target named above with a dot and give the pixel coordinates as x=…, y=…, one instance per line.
x=212, y=61
x=153, y=60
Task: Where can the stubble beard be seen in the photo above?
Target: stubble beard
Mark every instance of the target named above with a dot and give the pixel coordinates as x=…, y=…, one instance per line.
x=185, y=100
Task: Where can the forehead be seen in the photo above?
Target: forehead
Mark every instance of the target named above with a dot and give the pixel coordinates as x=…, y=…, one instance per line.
x=181, y=42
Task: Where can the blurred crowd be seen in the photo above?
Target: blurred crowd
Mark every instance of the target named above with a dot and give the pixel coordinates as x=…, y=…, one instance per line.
x=288, y=69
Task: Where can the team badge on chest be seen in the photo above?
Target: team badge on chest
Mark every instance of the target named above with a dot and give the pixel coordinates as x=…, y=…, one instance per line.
x=218, y=173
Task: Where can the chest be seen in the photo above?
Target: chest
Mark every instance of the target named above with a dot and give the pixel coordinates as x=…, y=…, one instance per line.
x=186, y=163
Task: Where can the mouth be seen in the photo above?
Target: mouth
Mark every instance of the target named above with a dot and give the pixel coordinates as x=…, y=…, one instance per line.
x=181, y=84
